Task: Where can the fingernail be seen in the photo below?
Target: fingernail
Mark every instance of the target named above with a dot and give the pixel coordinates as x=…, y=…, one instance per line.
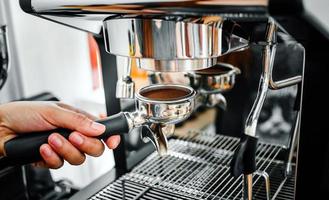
x=47, y=152
x=114, y=142
x=76, y=138
x=98, y=126
x=56, y=142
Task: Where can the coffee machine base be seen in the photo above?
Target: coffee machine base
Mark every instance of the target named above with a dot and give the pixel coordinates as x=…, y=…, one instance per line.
x=196, y=168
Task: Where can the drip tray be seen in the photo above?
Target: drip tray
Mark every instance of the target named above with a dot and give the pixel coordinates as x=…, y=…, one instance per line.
x=198, y=168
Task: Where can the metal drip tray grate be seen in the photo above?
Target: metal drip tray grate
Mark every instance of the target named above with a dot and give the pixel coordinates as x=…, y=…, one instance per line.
x=198, y=168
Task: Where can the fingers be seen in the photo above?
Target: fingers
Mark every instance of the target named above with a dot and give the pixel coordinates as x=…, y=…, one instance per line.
x=73, y=149
x=63, y=105
x=41, y=164
x=90, y=146
x=65, y=149
x=113, y=141
x=51, y=159
x=65, y=118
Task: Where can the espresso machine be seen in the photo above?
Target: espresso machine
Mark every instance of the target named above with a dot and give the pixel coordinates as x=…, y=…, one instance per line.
x=233, y=55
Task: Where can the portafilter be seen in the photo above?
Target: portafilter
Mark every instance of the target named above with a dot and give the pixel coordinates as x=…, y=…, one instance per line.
x=158, y=108
x=210, y=83
x=216, y=79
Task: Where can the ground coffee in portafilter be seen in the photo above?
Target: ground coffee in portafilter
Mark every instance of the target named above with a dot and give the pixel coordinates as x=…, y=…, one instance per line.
x=165, y=94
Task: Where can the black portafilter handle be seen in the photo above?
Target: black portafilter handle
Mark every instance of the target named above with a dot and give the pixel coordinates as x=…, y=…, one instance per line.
x=25, y=149
x=244, y=158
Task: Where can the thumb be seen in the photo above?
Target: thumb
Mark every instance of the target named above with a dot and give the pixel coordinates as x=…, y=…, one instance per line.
x=75, y=121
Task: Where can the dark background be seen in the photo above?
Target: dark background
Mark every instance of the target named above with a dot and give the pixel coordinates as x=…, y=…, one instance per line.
x=313, y=161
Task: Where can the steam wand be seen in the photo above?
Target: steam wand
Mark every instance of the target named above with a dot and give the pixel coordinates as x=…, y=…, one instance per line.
x=244, y=158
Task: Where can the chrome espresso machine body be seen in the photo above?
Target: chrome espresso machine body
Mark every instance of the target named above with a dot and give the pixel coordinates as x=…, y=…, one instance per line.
x=190, y=37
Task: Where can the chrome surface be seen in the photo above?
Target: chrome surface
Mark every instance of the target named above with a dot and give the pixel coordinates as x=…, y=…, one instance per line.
x=198, y=168
x=252, y=119
x=125, y=88
x=216, y=100
x=168, y=112
x=208, y=86
x=214, y=83
x=174, y=65
x=247, y=187
x=158, y=117
x=275, y=85
x=172, y=43
x=267, y=65
x=162, y=38
x=129, y=6
x=157, y=134
x=267, y=183
x=210, y=100
x=89, y=16
x=293, y=145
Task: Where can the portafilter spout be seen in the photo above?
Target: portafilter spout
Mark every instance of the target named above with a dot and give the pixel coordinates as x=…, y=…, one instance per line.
x=158, y=107
x=157, y=134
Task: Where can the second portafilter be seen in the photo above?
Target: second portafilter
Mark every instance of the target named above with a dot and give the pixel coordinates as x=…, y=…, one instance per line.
x=210, y=83
x=158, y=107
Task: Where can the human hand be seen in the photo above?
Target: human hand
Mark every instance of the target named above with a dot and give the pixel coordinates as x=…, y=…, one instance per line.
x=23, y=117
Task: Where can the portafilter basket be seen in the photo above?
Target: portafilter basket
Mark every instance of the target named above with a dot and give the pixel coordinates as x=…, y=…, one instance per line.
x=166, y=104
x=158, y=108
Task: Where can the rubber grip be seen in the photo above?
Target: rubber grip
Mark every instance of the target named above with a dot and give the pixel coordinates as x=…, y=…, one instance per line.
x=244, y=158
x=25, y=149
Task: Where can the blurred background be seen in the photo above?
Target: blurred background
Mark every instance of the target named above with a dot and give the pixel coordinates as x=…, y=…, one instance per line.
x=49, y=57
